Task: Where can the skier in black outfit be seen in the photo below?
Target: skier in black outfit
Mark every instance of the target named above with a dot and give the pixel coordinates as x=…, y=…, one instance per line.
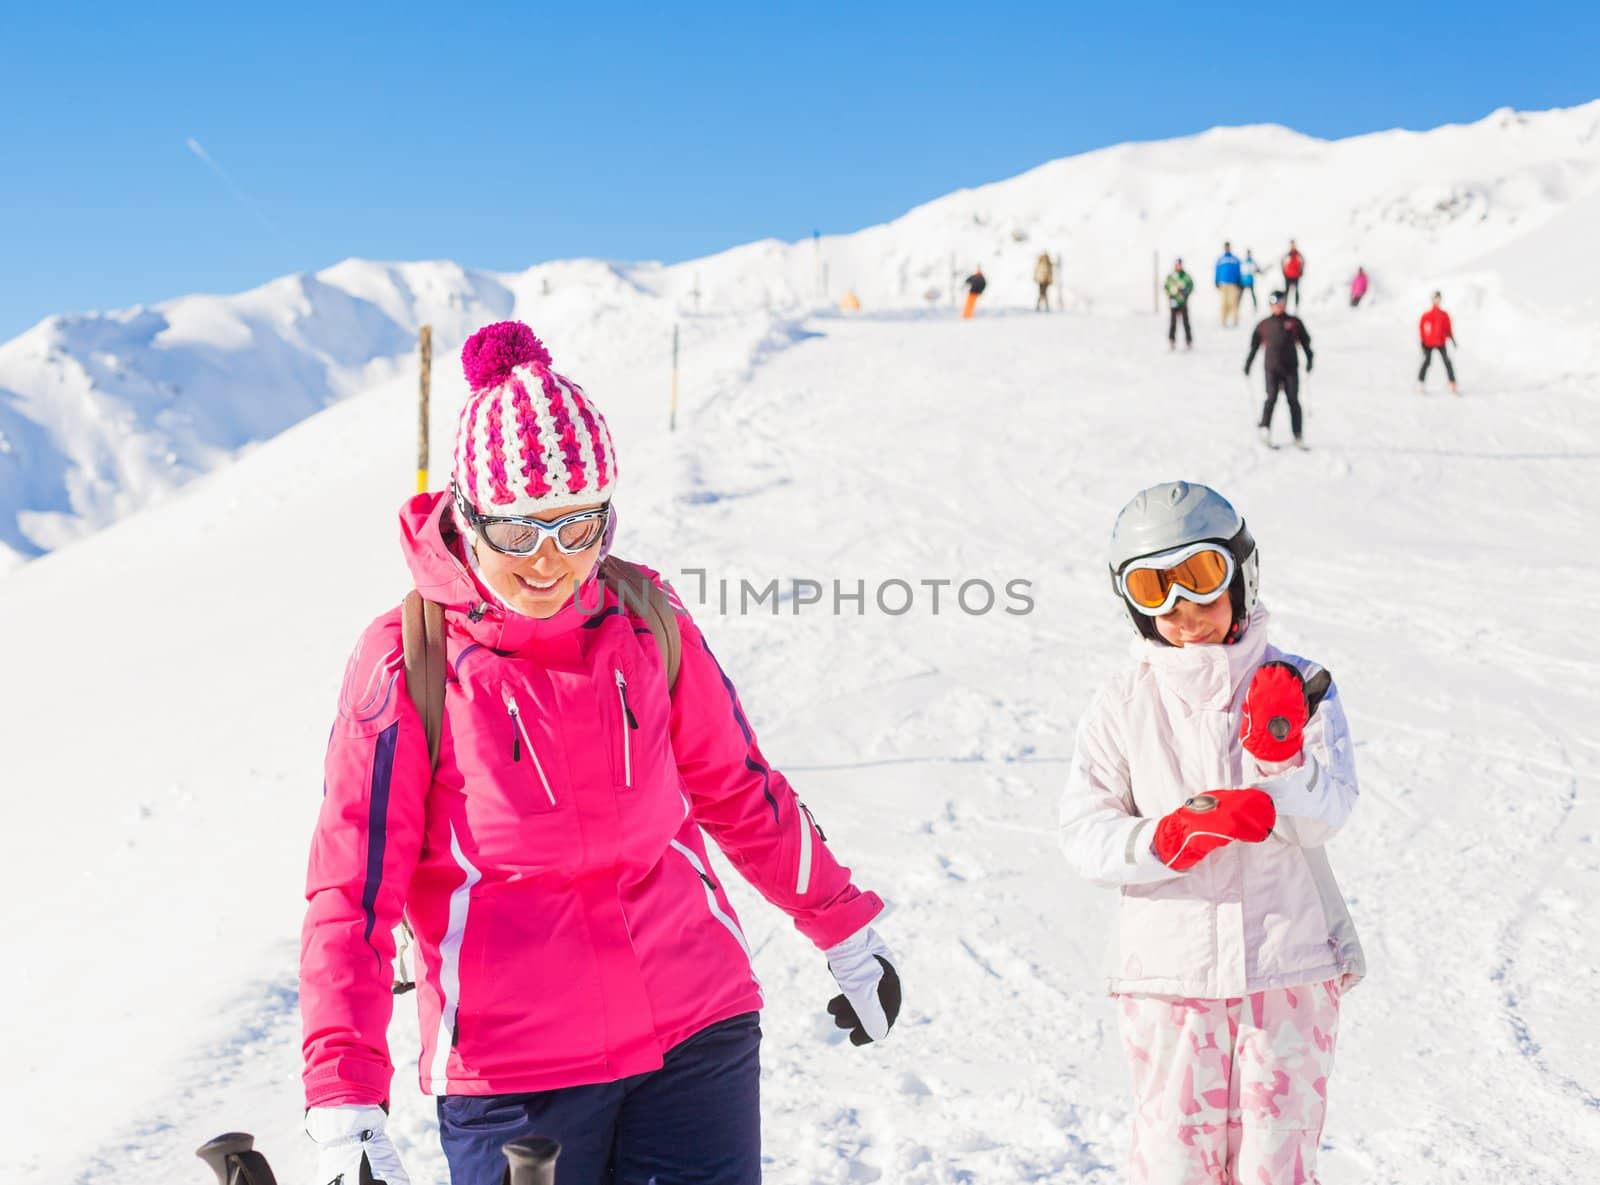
x=1276, y=336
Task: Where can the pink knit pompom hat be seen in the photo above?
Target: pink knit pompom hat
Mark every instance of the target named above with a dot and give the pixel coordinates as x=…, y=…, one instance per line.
x=528, y=441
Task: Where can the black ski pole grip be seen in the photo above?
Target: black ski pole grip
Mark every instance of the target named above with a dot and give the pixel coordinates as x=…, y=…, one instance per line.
x=232, y=1156
x=531, y=1162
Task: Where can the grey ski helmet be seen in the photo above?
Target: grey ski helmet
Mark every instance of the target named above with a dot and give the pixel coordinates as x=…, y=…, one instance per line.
x=1175, y=514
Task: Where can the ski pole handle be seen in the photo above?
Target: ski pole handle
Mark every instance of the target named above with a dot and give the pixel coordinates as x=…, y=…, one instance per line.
x=232, y=1156
x=530, y=1162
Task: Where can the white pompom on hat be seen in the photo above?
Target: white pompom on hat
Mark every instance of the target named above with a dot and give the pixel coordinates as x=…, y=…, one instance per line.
x=528, y=441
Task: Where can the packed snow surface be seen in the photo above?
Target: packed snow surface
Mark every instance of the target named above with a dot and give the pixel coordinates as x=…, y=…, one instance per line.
x=170, y=677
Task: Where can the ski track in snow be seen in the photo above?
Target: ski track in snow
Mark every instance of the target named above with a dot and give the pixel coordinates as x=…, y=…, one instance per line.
x=931, y=747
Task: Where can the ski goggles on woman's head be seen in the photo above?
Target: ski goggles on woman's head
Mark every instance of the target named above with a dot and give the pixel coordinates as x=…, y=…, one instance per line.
x=515, y=535
x=1199, y=572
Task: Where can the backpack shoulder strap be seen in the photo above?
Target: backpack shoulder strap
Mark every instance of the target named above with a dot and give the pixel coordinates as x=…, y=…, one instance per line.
x=422, y=635
x=642, y=595
x=422, y=639
x=1317, y=688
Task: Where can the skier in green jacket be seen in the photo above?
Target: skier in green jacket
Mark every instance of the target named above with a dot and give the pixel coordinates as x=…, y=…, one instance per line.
x=1179, y=286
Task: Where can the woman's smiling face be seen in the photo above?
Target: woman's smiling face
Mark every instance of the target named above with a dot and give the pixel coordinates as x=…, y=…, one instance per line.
x=541, y=584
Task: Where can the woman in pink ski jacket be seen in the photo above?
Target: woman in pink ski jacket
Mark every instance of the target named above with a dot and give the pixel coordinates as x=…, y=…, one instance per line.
x=580, y=972
x=1207, y=777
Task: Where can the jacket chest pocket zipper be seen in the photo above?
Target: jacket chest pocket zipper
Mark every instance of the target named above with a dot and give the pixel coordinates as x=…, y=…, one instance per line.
x=630, y=726
x=520, y=740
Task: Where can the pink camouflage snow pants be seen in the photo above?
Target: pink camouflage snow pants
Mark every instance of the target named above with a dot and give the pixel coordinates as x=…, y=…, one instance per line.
x=1230, y=1092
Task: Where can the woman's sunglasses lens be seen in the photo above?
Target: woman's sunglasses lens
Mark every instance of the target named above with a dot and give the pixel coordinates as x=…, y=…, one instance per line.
x=514, y=538
x=578, y=536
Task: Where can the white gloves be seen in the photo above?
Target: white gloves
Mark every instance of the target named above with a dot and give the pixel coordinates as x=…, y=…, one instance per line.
x=347, y=1135
x=871, y=1000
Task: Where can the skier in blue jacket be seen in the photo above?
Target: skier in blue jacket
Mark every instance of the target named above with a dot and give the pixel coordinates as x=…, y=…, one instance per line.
x=1228, y=283
x=1249, y=269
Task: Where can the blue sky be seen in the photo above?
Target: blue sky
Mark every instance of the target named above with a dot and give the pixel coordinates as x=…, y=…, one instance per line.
x=502, y=134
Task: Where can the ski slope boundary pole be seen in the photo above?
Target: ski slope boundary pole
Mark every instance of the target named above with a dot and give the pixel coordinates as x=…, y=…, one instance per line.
x=425, y=365
x=672, y=416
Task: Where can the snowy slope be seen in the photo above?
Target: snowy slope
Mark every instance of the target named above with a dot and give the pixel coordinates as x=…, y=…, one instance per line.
x=181, y=667
x=101, y=414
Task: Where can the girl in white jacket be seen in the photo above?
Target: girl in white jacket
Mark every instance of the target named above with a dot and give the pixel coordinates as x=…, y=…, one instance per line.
x=1206, y=778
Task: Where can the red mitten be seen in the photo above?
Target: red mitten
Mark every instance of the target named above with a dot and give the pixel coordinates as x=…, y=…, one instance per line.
x=1209, y=821
x=1275, y=712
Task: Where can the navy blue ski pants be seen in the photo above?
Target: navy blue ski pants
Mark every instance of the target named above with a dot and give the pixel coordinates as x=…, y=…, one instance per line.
x=695, y=1121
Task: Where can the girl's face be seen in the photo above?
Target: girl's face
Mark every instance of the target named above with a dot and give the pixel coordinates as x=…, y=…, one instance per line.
x=1190, y=624
x=541, y=584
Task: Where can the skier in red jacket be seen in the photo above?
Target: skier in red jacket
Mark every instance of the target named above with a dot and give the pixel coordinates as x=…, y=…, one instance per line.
x=1294, y=266
x=1436, y=331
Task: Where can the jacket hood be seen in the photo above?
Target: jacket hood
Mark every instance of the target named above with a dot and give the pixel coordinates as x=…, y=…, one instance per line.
x=1208, y=675
x=436, y=570
x=431, y=545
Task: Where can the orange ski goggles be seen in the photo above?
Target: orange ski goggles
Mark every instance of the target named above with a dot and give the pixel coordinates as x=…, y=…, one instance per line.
x=1199, y=572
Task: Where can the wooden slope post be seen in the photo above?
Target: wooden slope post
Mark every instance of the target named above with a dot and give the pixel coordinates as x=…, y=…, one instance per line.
x=425, y=364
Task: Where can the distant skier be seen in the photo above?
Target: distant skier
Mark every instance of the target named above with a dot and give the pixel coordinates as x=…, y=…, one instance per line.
x=1044, y=273
x=1179, y=287
x=1276, y=336
x=1294, y=266
x=975, y=286
x=1358, y=286
x=1229, y=283
x=1207, y=778
x=1249, y=269
x=1436, y=331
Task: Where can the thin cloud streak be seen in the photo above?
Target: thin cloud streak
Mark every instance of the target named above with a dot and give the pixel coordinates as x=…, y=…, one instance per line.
x=244, y=199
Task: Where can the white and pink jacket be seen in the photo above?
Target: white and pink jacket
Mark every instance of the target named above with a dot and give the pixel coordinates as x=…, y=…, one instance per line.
x=1248, y=917
x=569, y=929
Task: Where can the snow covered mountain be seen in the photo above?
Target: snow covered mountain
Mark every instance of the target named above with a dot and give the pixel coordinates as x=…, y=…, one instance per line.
x=103, y=413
